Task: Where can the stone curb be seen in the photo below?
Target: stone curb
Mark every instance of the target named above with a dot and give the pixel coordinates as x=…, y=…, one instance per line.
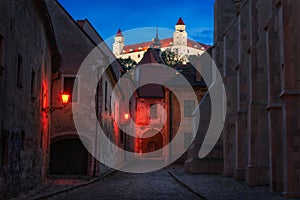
x=73, y=187
x=184, y=184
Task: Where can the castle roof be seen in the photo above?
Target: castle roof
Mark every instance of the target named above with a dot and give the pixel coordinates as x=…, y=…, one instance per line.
x=165, y=43
x=119, y=33
x=152, y=57
x=180, y=22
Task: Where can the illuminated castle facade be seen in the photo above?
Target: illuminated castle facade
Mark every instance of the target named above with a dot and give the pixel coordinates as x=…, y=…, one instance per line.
x=179, y=44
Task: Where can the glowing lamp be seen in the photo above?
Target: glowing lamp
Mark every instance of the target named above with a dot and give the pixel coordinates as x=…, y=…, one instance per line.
x=126, y=116
x=65, y=98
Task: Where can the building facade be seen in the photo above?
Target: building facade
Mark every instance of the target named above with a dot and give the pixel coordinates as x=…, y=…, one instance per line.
x=26, y=66
x=179, y=43
x=162, y=112
x=71, y=153
x=256, y=51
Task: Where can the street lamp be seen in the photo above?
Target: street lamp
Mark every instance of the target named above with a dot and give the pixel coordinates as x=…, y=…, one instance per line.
x=126, y=116
x=65, y=100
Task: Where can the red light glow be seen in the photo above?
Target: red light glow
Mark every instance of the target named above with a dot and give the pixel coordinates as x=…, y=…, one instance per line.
x=126, y=116
x=65, y=98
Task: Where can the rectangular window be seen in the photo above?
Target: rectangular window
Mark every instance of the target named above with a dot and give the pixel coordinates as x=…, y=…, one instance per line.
x=32, y=86
x=121, y=136
x=115, y=117
x=1, y=51
x=5, y=146
x=99, y=99
x=41, y=140
x=105, y=95
x=70, y=85
x=189, y=106
x=187, y=139
x=23, y=140
x=130, y=108
x=110, y=110
x=20, y=71
x=153, y=111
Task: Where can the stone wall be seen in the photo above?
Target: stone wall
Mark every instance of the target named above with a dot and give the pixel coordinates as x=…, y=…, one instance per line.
x=27, y=49
x=255, y=49
x=76, y=40
x=74, y=45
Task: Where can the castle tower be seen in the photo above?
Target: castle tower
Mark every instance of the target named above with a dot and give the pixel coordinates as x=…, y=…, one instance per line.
x=180, y=34
x=156, y=41
x=119, y=43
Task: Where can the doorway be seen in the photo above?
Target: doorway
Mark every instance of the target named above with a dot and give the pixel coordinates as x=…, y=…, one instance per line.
x=68, y=157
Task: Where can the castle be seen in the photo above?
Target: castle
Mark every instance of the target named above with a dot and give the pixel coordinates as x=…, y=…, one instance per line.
x=179, y=44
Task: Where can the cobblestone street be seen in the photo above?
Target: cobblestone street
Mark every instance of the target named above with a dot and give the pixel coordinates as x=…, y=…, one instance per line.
x=155, y=185
x=170, y=183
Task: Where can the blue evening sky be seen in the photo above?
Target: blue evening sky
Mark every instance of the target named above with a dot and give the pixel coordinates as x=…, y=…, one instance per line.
x=129, y=15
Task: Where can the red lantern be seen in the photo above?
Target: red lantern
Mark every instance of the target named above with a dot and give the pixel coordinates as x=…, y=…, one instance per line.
x=126, y=116
x=65, y=98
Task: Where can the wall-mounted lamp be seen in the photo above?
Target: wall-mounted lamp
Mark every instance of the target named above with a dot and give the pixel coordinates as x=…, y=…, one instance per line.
x=126, y=116
x=65, y=100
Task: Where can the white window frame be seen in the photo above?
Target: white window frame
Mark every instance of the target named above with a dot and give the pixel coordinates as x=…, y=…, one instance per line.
x=63, y=76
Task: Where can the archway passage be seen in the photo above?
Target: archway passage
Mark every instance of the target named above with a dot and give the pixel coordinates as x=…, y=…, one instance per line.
x=153, y=143
x=68, y=157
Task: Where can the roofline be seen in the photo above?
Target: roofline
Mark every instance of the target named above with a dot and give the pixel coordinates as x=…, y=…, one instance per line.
x=166, y=39
x=86, y=19
x=75, y=22
x=85, y=33
x=46, y=18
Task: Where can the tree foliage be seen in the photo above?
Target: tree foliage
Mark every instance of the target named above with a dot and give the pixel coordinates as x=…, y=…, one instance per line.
x=128, y=63
x=171, y=58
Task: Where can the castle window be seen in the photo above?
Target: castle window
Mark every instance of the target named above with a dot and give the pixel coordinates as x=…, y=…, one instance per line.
x=139, y=55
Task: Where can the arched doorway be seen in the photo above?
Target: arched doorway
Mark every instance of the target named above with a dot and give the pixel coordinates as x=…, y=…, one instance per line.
x=68, y=157
x=152, y=143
